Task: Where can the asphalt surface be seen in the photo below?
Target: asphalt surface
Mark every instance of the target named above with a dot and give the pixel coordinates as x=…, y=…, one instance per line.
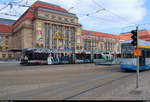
x=64, y=82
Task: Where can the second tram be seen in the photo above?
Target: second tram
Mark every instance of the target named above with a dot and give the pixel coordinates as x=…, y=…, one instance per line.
x=128, y=61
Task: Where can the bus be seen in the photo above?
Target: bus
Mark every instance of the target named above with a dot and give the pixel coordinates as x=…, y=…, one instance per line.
x=36, y=56
x=128, y=60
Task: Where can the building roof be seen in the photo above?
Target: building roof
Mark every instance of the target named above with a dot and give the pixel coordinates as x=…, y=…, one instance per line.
x=48, y=5
x=125, y=36
x=5, y=28
x=7, y=21
x=143, y=35
x=30, y=12
x=57, y=12
x=99, y=34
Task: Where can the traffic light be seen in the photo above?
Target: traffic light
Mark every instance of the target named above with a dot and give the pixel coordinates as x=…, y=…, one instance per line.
x=134, y=37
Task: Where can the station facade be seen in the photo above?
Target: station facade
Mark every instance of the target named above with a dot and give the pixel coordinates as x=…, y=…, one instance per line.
x=46, y=25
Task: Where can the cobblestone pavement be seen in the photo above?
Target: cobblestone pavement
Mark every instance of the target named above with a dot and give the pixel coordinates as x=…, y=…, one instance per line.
x=71, y=82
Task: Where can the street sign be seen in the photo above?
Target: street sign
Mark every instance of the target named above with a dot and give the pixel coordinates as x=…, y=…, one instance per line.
x=137, y=52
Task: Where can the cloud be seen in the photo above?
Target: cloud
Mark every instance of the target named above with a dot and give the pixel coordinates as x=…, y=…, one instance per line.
x=118, y=13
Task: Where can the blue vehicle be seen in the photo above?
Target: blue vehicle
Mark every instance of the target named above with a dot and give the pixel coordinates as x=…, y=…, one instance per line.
x=128, y=60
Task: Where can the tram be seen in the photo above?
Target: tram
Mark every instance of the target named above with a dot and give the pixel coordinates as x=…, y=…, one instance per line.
x=32, y=56
x=128, y=61
x=105, y=58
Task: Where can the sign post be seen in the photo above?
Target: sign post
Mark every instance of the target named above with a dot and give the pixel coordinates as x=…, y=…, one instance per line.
x=137, y=52
x=137, y=69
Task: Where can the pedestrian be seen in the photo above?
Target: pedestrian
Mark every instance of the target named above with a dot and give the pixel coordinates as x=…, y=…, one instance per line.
x=50, y=59
x=26, y=60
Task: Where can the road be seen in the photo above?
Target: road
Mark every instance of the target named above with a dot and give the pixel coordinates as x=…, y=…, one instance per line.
x=62, y=82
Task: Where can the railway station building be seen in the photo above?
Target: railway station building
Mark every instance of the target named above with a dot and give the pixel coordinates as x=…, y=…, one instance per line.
x=43, y=25
x=46, y=25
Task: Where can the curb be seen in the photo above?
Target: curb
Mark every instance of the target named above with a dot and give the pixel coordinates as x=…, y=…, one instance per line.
x=9, y=62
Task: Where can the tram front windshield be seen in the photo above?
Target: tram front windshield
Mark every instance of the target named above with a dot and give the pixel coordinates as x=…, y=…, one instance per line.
x=127, y=51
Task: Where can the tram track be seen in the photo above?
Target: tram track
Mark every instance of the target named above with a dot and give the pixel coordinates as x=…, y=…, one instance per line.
x=98, y=86
x=63, y=92
x=74, y=87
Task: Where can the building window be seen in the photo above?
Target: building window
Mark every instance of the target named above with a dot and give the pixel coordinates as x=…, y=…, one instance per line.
x=89, y=44
x=66, y=20
x=6, y=48
x=6, y=37
x=9, y=56
x=66, y=33
x=46, y=15
x=37, y=45
x=53, y=17
x=42, y=46
x=59, y=18
x=77, y=47
x=80, y=47
x=1, y=37
x=60, y=41
x=47, y=35
x=1, y=42
x=72, y=20
x=3, y=56
x=72, y=37
x=6, y=42
x=85, y=44
x=1, y=48
x=54, y=41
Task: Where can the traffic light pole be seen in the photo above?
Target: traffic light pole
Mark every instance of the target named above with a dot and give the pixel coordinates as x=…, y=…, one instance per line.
x=137, y=69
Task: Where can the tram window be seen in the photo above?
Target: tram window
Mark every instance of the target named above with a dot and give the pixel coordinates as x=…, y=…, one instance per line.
x=79, y=56
x=148, y=53
x=100, y=56
x=128, y=55
x=95, y=56
x=106, y=53
x=88, y=56
x=118, y=55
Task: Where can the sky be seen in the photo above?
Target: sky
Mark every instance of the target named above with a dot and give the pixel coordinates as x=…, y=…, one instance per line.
x=108, y=16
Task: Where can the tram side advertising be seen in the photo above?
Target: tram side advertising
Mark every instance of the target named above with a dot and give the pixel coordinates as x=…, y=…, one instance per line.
x=46, y=56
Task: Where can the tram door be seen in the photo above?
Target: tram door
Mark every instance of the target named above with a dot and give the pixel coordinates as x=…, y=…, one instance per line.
x=142, y=58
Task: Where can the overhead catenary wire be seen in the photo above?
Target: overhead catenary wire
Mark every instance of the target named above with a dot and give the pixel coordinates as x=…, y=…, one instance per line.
x=124, y=19
x=8, y=14
x=139, y=25
x=17, y=12
x=18, y=1
x=125, y=22
x=103, y=9
x=27, y=2
x=4, y=7
x=101, y=18
x=74, y=6
x=11, y=4
x=87, y=13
